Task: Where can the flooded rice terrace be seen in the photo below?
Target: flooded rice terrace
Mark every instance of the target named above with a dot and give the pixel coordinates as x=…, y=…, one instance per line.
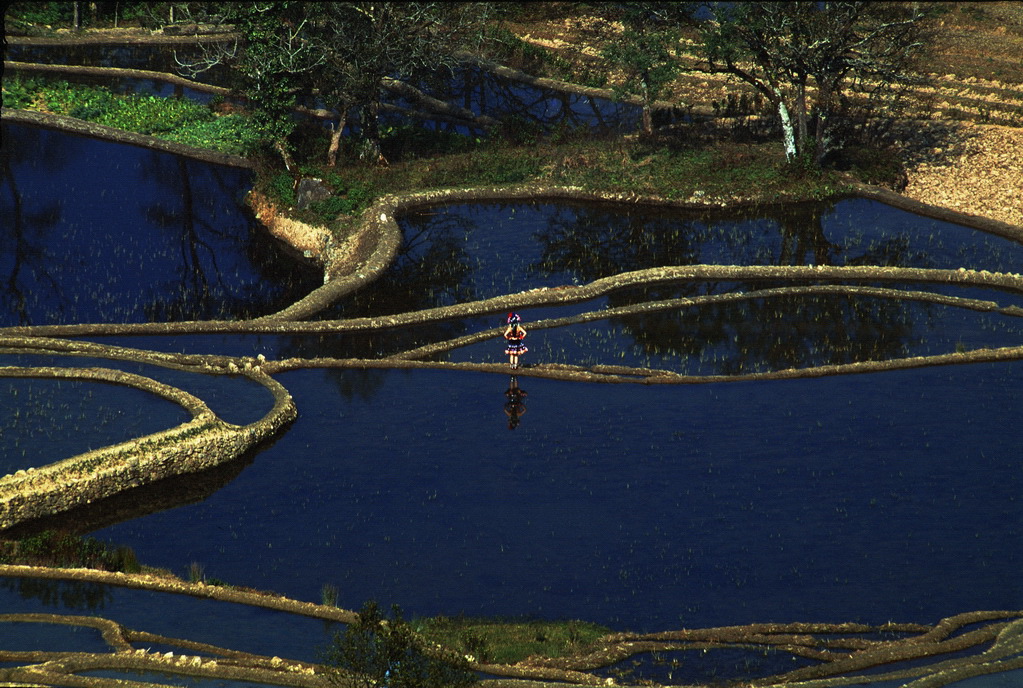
x=856, y=497
x=887, y=496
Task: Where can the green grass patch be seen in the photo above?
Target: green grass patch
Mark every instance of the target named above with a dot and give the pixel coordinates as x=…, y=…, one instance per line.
x=173, y=119
x=716, y=173
x=280, y=188
x=231, y=134
x=351, y=197
x=509, y=641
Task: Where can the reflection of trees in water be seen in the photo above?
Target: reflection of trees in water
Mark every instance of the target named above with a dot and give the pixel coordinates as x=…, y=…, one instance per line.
x=432, y=269
x=63, y=594
x=778, y=333
x=205, y=289
x=744, y=336
x=26, y=263
x=802, y=235
x=34, y=265
x=194, y=293
x=588, y=243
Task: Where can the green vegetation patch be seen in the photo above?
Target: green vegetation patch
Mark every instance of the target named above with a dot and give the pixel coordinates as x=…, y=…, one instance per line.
x=713, y=174
x=173, y=119
x=232, y=134
x=63, y=550
x=509, y=641
x=725, y=171
x=675, y=169
x=379, y=651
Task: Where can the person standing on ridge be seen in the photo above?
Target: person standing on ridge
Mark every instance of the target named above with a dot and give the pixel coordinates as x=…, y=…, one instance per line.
x=515, y=333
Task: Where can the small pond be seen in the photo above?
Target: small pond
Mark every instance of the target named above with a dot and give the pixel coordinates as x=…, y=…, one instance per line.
x=133, y=236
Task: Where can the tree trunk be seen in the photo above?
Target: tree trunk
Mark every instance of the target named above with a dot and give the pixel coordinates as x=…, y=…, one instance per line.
x=76, y=20
x=824, y=107
x=787, y=130
x=335, y=139
x=371, y=128
x=801, y=131
x=648, y=120
x=282, y=148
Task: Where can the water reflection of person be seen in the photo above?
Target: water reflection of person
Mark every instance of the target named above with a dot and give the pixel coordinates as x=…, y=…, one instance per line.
x=514, y=407
x=515, y=333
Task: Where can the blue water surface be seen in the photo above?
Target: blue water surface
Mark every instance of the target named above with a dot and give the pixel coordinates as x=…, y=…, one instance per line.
x=101, y=232
x=223, y=624
x=863, y=498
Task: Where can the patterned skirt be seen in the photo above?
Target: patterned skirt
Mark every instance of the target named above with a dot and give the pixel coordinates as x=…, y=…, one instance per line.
x=516, y=347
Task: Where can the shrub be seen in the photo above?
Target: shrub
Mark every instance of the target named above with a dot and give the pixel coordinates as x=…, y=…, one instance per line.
x=873, y=165
x=39, y=12
x=407, y=141
x=281, y=189
x=328, y=595
x=196, y=572
x=326, y=210
x=374, y=651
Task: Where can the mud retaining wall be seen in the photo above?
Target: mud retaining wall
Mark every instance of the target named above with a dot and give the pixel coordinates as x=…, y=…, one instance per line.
x=202, y=443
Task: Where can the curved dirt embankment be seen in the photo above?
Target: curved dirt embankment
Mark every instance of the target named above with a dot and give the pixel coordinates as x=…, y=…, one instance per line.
x=369, y=251
x=202, y=443
x=170, y=584
x=984, y=642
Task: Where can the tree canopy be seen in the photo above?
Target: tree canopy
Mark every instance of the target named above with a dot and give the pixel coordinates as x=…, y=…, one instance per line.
x=646, y=50
x=802, y=55
x=813, y=62
x=338, y=54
